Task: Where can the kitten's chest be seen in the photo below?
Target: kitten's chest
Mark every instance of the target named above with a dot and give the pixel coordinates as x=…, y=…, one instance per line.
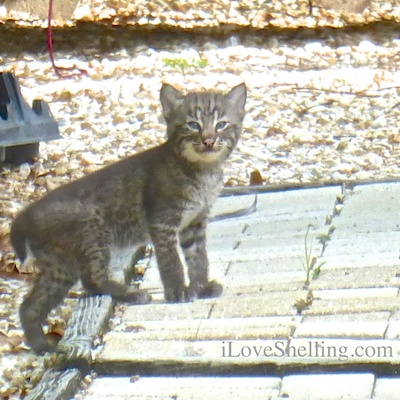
x=199, y=199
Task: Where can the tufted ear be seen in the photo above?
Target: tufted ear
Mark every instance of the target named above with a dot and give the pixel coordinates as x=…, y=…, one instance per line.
x=237, y=98
x=169, y=96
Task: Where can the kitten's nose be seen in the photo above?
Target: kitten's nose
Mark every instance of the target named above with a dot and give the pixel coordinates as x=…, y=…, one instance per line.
x=209, y=143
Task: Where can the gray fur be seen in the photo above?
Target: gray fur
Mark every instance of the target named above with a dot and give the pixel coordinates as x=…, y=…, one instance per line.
x=162, y=195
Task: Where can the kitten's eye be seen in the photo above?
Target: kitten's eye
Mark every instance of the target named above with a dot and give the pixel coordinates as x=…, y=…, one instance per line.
x=221, y=125
x=194, y=126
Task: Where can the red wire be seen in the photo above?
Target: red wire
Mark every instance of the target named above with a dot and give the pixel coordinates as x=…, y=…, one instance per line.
x=57, y=69
x=50, y=39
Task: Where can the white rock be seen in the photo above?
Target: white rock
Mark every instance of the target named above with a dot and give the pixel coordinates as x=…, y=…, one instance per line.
x=379, y=122
x=343, y=50
x=24, y=170
x=314, y=47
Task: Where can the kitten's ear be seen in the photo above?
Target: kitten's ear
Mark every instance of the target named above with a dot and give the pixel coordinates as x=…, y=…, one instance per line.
x=237, y=97
x=169, y=96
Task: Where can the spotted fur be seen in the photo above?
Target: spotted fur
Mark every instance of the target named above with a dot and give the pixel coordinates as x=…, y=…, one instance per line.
x=162, y=195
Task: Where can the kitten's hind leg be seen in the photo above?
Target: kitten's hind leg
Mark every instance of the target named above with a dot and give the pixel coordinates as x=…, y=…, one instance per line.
x=50, y=288
x=96, y=278
x=116, y=290
x=193, y=243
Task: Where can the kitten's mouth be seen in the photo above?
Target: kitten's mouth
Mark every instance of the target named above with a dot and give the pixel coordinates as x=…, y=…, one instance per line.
x=203, y=154
x=208, y=149
x=214, y=150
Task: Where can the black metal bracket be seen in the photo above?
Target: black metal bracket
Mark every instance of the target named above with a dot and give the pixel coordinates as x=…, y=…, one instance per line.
x=22, y=127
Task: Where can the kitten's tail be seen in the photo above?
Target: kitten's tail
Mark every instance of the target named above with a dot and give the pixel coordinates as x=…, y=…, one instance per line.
x=18, y=237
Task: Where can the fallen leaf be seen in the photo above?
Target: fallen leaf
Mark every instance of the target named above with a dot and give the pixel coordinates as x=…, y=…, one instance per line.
x=256, y=178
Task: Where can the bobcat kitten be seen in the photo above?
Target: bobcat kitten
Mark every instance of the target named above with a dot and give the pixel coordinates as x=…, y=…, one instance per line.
x=162, y=195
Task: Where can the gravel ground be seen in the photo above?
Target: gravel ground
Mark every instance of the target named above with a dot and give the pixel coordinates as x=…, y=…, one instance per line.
x=322, y=108
x=259, y=14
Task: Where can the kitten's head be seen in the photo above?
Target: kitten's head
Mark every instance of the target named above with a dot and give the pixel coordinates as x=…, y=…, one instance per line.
x=203, y=127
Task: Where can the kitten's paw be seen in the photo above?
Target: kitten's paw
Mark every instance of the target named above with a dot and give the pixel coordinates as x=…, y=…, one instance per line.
x=42, y=345
x=137, y=296
x=175, y=295
x=211, y=289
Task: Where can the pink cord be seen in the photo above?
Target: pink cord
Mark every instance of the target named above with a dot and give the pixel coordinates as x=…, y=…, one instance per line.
x=74, y=71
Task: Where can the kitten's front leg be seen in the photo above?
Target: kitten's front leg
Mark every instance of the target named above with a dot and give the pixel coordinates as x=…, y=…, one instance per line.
x=165, y=241
x=193, y=243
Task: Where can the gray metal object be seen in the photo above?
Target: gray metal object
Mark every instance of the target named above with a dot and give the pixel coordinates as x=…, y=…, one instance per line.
x=22, y=127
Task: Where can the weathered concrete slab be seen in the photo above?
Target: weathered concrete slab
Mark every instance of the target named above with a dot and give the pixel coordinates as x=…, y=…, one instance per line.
x=367, y=230
x=184, y=388
x=159, y=312
x=360, y=250
x=371, y=208
x=281, y=222
x=268, y=275
x=358, y=329
x=328, y=387
x=351, y=305
x=338, y=351
x=231, y=305
x=353, y=277
x=259, y=304
x=121, y=354
x=356, y=293
x=311, y=204
x=386, y=388
x=372, y=325
x=211, y=329
x=267, y=317
x=393, y=331
x=373, y=316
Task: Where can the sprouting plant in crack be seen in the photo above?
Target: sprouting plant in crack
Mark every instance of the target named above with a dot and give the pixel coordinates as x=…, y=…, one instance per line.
x=310, y=265
x=324, y=238
x=304, y=303
x=184, y=63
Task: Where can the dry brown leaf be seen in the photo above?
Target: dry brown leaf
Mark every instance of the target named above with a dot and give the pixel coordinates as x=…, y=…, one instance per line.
x=230, y=182
x=256, y=178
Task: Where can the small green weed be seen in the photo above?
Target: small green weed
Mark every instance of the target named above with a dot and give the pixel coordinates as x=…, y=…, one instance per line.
x=184, y=63
x=304, y=303
x=310, y=266
x=324, y=238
